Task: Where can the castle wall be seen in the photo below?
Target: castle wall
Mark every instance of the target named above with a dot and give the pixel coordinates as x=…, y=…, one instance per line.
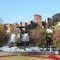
x=36, y=21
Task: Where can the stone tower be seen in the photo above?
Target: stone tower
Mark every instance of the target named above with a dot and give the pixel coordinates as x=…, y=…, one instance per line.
x=47, y=22
x=38, y=19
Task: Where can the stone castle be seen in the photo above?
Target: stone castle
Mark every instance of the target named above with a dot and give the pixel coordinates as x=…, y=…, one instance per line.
x=36, y=21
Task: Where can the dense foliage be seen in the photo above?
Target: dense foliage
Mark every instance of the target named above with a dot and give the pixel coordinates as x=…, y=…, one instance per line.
x=35, y=36
x=55, y=19
x=3, y=35
x=56, y=36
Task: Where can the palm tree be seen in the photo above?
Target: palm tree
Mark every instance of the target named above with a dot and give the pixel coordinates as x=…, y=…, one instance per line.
x=46, y=38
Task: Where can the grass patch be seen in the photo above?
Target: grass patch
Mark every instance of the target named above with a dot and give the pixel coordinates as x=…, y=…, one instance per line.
x=22, y=58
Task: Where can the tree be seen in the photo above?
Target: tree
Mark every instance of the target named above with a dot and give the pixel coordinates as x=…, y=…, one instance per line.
x=55, y=19
x=3, y=35
x=56, y=36
x=43, y=37
x=46, y=38
x=35, y=36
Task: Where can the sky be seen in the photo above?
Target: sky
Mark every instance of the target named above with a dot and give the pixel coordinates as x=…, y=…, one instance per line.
x=23, y=10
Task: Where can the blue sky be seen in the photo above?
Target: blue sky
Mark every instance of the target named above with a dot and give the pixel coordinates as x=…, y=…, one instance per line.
x=11, y=10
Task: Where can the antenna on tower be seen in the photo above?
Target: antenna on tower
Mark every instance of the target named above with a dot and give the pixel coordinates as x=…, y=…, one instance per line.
x=20, y=17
